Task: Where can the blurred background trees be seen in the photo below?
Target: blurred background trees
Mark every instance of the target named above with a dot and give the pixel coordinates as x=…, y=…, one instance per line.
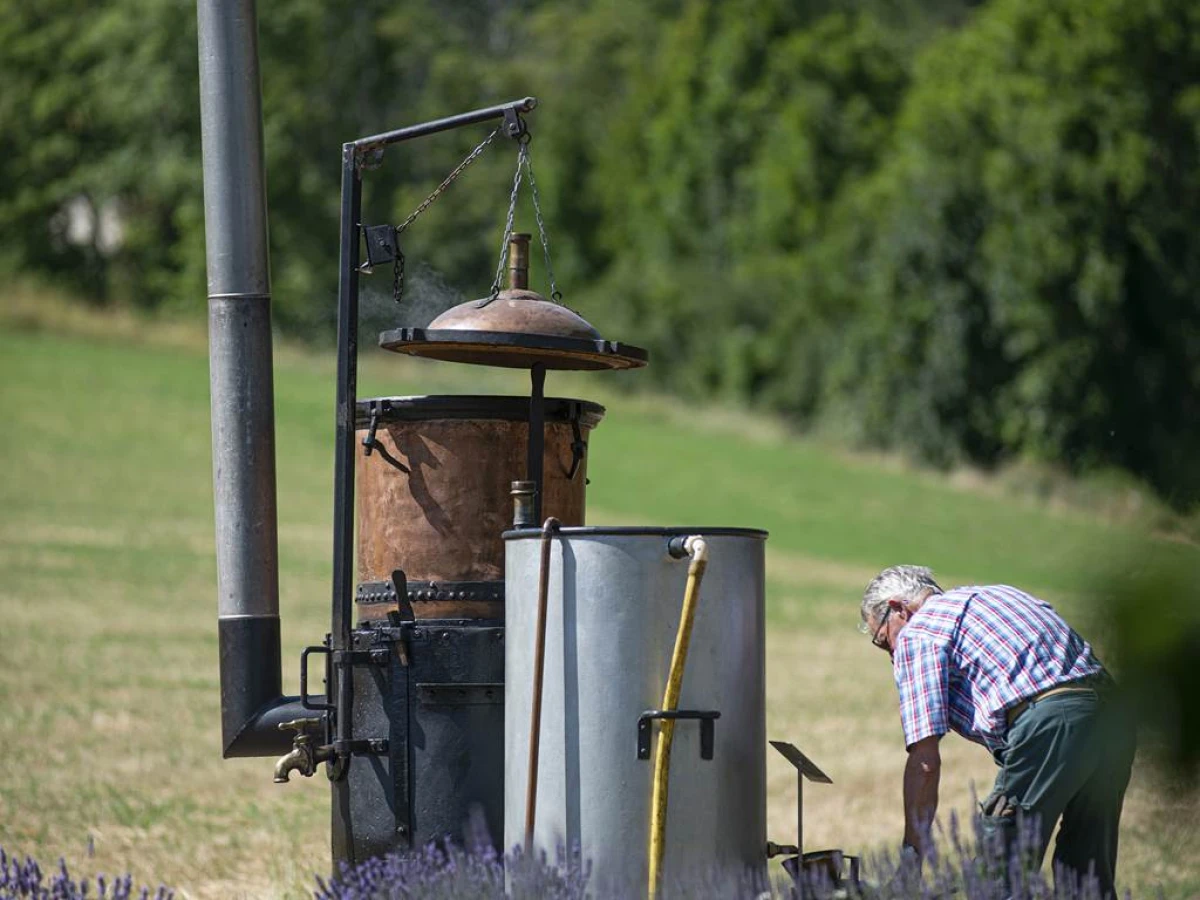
x=963, y=231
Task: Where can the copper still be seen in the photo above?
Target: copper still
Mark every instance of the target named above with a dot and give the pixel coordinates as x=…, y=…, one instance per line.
x=434, y=495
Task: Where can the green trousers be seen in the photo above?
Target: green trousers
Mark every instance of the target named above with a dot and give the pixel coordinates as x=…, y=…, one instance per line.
x=1067, y=757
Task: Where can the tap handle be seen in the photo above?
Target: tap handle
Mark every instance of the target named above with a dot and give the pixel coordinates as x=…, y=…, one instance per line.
x=300, y=726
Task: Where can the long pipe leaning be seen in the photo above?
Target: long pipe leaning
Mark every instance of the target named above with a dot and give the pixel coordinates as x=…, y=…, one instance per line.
x=243, y=413
x=549, y=528
x=697, y=549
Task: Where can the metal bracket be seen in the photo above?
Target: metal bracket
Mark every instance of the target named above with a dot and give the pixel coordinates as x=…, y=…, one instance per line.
x=461, y=693
x=369, y=443
x=706, y=717
x=514, y=125
x=372, y=746
x=403, y=605
x=578, y=447
x=381, y=246
x=378, y=656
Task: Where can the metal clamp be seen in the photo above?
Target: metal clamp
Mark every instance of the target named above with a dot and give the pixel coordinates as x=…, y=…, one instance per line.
x=371, y=443
x=514, y=125
x=376, y=656
x=381, y=246
x=707, y=718
x=368, y=442
x=372, y=746
x=578, y=445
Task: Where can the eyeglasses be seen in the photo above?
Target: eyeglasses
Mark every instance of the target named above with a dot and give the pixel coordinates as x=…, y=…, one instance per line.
x=882, y=645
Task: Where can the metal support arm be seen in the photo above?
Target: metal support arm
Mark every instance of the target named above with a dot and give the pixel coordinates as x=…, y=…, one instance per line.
x=354, y=154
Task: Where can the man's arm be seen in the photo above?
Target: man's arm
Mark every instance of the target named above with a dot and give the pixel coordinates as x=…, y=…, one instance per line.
x=922, y=773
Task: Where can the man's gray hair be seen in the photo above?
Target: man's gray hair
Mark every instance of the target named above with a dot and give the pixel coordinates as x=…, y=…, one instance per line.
x=903, y=583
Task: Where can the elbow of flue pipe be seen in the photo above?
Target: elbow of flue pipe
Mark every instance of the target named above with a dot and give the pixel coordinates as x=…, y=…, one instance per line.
x=252, y=702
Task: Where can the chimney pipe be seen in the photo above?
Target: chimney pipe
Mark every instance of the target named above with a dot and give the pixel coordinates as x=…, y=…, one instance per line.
x=243, y=415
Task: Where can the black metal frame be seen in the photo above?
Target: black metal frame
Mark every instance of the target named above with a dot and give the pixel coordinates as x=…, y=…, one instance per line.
x=356, y=156
x=474, y=406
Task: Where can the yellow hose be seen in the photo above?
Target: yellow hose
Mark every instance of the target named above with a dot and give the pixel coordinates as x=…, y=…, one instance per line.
x=698, y=550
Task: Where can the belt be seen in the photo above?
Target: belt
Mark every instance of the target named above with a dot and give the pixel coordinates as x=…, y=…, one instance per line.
x=1085, y=685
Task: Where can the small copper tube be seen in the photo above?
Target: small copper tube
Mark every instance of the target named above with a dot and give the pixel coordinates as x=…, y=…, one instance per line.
x=518, y=262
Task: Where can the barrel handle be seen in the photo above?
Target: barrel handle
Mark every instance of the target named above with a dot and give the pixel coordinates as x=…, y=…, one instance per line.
x=371, y=443
x=706, y=717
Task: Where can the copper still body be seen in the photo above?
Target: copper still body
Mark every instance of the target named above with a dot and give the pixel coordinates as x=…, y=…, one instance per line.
x=434, y=495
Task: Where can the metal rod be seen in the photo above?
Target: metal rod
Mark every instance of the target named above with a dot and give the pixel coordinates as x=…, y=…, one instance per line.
x=536, y=444
x=525, y=104
x=345, y=447
x=341, y=820
x=800, y=814
x=549, y=527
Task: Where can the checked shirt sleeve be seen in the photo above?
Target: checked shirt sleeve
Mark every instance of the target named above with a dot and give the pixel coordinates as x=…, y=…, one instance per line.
x=922, y=672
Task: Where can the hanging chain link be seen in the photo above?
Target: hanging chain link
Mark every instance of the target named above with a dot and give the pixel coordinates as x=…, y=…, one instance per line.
x=398, y=275
x=449, y=179
x=398, y=264
x=524, y=166
x=555, y=293
x=522, y=152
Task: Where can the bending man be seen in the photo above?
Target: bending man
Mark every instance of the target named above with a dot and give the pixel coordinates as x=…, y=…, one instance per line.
x=1002, y=668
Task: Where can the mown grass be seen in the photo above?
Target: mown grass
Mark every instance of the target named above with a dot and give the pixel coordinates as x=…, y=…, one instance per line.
x=108, y=682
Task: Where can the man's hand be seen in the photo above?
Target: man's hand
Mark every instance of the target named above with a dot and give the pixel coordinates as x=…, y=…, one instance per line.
x=921, y=776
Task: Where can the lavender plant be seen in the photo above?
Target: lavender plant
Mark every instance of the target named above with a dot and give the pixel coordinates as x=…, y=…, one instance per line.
x=450, y=872
x=968, y=867
x=23, y=879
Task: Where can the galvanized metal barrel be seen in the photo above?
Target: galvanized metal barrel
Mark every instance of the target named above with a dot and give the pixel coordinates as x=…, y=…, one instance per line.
x=615, y=598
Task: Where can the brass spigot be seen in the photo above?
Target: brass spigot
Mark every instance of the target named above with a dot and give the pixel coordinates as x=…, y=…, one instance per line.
x=304, y=756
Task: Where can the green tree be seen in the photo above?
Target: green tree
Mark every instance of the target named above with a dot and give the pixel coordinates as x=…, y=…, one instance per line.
x=98, y=120
x=1026, y=255
x=739, y=133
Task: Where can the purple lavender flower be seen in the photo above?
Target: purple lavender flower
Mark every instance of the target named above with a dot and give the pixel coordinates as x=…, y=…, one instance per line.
x=23, y=879
x=968, y=867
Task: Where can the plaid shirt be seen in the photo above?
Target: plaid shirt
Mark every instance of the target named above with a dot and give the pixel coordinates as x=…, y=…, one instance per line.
x=971, y=653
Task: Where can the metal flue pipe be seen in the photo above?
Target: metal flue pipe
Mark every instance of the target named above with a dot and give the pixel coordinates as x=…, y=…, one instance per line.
x=243, y=414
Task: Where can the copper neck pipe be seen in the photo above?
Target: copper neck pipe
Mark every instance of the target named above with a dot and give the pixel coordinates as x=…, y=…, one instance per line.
x=518, y=262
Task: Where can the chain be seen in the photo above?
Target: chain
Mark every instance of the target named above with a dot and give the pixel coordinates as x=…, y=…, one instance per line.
x=555, y=293
x=449, y=179
x=522, y=154
x=398, y=267
x=524, y=166
x=398, y=275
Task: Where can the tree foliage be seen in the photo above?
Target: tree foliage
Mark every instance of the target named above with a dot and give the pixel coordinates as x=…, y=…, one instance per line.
x=965, y=232
x=1030, y=276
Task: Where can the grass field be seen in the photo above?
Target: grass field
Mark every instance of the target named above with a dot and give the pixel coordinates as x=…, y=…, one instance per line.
x=108, y=678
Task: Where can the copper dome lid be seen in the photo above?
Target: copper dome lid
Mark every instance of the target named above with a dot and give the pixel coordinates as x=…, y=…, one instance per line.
x=515, y=328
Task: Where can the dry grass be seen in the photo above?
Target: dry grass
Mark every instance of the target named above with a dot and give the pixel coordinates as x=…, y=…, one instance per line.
x=108, y=681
